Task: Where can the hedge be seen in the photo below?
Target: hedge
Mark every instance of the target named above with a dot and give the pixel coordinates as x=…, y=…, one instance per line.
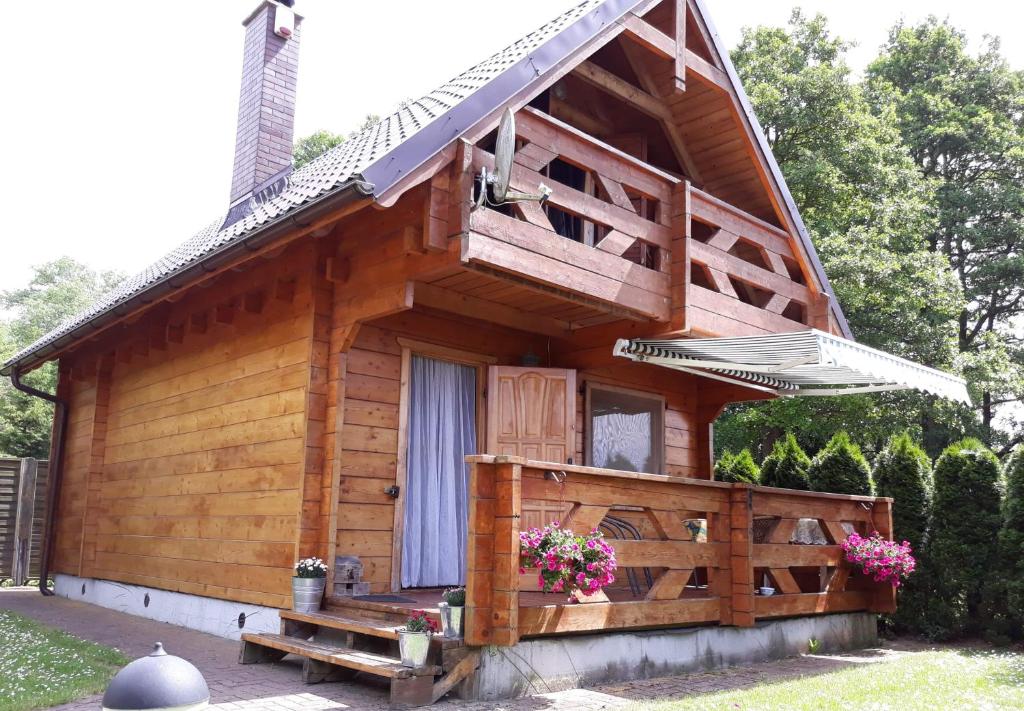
x=840, y=468
x=786, y=466
x=737, y=468
x=902, y=471
x=1011, y=544
x=962, y=551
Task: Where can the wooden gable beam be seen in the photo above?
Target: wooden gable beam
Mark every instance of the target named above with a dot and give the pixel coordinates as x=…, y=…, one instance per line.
x=442, y=299
x=649, y=37
x=621, y=89
x=681, y=55
x=668, y=124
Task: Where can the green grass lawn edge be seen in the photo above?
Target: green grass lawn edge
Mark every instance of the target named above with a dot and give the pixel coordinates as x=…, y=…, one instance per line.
x=41, y=666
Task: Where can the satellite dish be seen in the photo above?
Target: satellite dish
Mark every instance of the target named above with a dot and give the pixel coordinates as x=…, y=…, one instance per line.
x=494, y=186
x=504, y=153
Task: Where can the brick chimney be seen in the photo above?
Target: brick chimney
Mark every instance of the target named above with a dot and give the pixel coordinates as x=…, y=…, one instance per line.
x=266, y=104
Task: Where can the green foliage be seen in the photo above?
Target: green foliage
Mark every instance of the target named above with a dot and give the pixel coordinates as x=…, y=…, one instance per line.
x=57, y=290
x=962, y=119
x=310, y=147
x=840, y=468
x=737, y=468
x=902, y=472
x=867, y=205
x=962, y=551
x=1011, y=544
x=786, y=467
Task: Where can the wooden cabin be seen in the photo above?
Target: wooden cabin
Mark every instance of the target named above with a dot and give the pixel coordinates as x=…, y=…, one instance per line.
x=365, y=358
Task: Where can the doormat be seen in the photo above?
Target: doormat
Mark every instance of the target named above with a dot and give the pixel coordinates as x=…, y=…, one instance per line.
x=383, y=598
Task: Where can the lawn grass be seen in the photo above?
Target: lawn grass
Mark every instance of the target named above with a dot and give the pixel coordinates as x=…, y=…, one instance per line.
x=946, y=679
x=41, y=666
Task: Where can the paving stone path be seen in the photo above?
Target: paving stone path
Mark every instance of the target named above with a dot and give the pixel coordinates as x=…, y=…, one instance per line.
x=277, y=687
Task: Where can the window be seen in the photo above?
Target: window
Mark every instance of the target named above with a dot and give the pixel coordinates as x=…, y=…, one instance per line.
x=625, y=429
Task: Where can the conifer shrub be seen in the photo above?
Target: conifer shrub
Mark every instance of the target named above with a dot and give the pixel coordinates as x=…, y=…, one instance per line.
x=962, y=550
x=840, y=468
x=737, y=468
x=786, y=466
x=902, y=472
x=1011, y=544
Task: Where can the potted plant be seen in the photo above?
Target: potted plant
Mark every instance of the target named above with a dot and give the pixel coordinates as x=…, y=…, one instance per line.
x=414, y=639
x=884, y=561
x=308, y=584
x=452, y=606
x=567, y=563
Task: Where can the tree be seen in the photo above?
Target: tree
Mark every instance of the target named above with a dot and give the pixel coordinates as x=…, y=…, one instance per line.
x=786, y=467
x=57, y=290
x=1011, y=545
x=962, y=118
x=962, y=551
x=902, y=472
x=840, y=468
x=310, y=147
x=737, y=468
x=866, y=205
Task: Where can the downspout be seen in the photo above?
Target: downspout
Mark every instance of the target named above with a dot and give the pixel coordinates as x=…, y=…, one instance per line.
x=60, y=417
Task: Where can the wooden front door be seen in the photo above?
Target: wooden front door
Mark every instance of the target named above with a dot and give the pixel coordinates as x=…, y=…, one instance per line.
x=531, y=412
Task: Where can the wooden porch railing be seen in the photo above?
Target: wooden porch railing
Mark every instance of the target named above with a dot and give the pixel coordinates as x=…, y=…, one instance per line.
x=710, y=580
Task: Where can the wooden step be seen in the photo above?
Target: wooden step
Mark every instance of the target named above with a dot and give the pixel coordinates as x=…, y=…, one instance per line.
x=338, y=621
x=368, y=662
x=347, y=622
x=384, y=610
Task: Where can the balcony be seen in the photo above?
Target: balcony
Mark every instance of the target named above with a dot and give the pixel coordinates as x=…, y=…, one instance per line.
x=619, y=239
x=667, y=576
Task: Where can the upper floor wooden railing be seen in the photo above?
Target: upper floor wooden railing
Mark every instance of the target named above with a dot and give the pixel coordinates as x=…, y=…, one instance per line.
x=633, y=238
x=687, y=579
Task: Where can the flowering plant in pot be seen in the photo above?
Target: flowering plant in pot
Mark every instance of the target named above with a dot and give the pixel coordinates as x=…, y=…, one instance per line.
x=882, y=560
x=565, y=562
x=414, y=639
x=308, y=584
x=451, y=606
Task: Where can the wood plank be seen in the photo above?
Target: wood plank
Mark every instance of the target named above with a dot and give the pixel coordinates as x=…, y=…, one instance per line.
x=670, y=585
x=368, y=662
x=784, y=580
x=621, y=89
x=648, y=36
x=809, y=604
x=560, y=619
x=776, y=555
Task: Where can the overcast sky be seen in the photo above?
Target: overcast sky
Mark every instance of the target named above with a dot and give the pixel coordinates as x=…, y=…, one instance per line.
x=119, y=127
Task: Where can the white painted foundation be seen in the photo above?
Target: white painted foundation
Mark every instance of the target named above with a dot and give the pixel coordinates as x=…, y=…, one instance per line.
x=206, y=614
x=547, y=664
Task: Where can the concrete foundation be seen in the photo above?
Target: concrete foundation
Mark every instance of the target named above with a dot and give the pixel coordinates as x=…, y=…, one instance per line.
x=206, y=614
x=549, y=664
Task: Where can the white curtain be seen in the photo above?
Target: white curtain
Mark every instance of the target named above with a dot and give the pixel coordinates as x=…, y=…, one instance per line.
x=442, y=431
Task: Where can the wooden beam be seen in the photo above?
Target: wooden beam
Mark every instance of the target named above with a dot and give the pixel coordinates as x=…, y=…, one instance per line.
x=681, y=52
x=648, y=36
x=707, y=73
x=621, y=89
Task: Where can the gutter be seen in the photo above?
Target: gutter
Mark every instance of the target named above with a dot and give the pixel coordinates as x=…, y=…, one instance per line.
x=348, y=192
x=60, y=417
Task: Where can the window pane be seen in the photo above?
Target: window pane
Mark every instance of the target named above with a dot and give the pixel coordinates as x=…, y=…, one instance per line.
x=625, y=431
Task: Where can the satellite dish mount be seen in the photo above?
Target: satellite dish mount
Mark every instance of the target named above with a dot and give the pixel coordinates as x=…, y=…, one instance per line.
x=494, y=185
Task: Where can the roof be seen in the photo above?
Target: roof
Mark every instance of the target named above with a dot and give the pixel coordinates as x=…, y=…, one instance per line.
x=803, y=363
x=378, y=157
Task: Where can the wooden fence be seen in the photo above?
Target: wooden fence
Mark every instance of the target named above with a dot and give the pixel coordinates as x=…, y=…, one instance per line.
x=22, y=517
x=752, y=540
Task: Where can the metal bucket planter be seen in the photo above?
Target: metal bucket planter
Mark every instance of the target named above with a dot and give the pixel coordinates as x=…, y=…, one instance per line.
x=414, y=647
x=307, y=593
x=451, y=620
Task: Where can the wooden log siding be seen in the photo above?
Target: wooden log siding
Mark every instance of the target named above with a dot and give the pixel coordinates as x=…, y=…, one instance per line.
x=731, y=556
x=187, y=461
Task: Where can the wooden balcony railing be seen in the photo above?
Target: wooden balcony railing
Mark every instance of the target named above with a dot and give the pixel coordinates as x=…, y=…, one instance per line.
x=693, y=580
x=604, y=234
x=744, y=268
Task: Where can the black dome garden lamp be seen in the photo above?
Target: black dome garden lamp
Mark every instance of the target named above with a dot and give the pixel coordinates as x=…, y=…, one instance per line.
x=159, y=681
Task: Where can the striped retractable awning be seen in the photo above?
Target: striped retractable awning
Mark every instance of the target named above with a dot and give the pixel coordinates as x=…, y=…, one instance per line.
x=795, y=364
